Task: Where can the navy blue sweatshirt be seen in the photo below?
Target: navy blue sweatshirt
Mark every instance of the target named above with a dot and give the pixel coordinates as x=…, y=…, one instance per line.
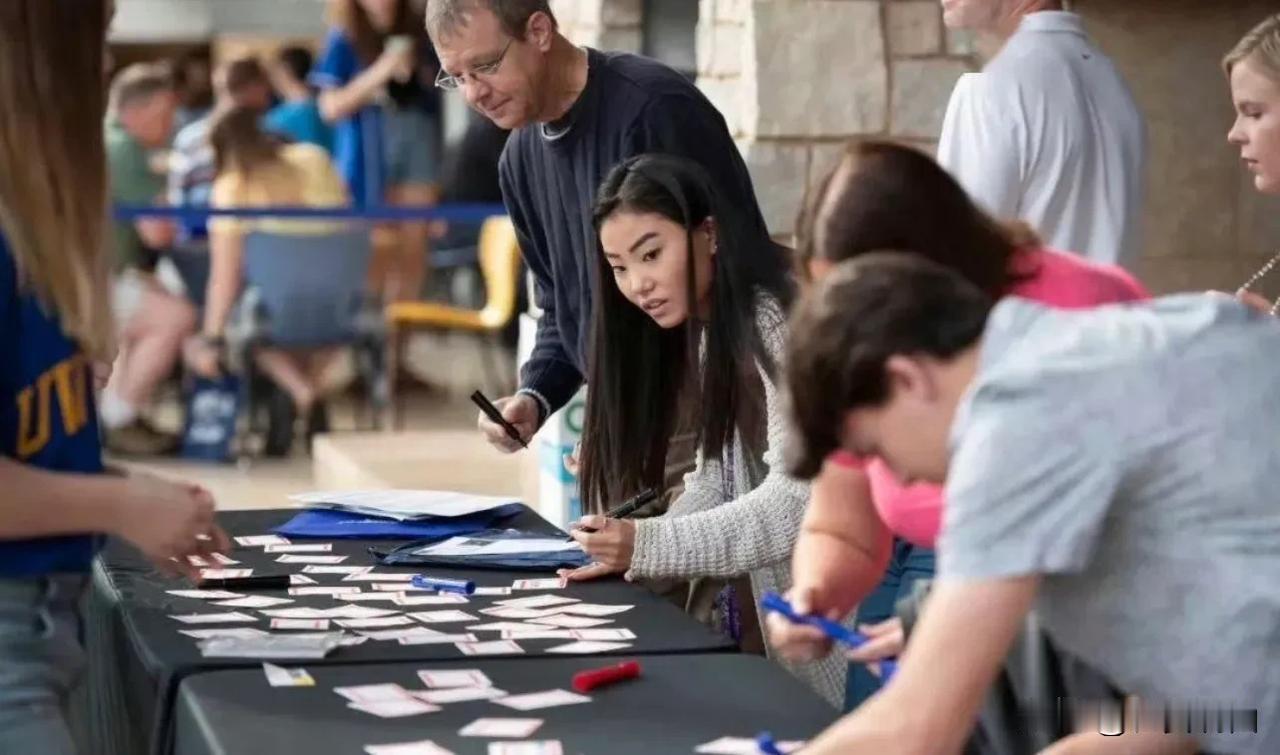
x=631, y=105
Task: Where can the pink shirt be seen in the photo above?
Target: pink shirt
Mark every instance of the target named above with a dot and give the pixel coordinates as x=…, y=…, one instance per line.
x=914, y=512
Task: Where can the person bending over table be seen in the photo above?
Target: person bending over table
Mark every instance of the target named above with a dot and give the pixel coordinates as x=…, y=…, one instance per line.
x=863, y=526
x=1105, y=466
x=55, y=320
x=687, y=298
x=256, y=168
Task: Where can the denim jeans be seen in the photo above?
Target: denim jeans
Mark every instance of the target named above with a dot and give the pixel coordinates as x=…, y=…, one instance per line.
x=908, y=564
x=41, y=660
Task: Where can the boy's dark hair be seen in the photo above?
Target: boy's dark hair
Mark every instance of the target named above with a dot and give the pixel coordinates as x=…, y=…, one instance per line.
x=243, y=73
x=297, y=60
x=845, y=329
x=446, y=16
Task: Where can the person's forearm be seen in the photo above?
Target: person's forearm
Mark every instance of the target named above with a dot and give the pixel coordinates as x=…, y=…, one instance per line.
x=225, y=253
x=39, y=503
x=343, y=102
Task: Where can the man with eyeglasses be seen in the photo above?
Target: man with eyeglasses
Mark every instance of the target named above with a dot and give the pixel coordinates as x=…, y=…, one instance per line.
x=575, y=113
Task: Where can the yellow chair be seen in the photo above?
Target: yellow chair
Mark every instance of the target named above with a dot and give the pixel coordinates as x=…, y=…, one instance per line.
x=499, y=254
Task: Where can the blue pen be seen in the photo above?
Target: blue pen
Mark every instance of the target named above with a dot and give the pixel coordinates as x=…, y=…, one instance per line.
x=772, y=601
x=444, y=585
x=766, y=744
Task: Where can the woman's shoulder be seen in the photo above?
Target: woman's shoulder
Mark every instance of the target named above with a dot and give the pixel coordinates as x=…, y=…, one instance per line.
x=1061, y=278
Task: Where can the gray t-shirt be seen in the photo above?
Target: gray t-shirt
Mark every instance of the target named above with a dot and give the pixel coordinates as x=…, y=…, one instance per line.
x=1129, y=455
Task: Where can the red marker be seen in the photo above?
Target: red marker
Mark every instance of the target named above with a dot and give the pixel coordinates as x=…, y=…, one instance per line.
x=585, y=681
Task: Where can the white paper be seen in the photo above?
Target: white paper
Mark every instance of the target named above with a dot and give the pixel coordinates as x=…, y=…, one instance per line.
x=424, y=747
x=449, y=678
x=378, y=623
x=250, y=541
x=241, y=633
x=587, y=647
x=547, y=747
x=319, y=569
x=293, y=558
x=301, y=579
x=299, y=548
x=741, y=746
x=605, y=634
x=254, y=601
x=314, y=625
x=441, y=640
x=372, y=693
x=539, y=584
x=322, y=590
x=547, y=699
x=410, y=706
x=225, y=573
x=546, y=633
x=224, y=559
x=594, y=609
x=506, y=626
x=362, y=596
x=536, y=601
x=396, y=634
x=496, y=647
x=404, y=504
x=206, y=594
x=398, y=587
x=458, y=695
x=300, y=612
x=493, y=591
x=198, y=561
x=214, y=618
x=464, y=545
x=359, y=612
x=442, y=599
x=570, y=622
x=443, y=617
x=278, y=676
x=511, y=728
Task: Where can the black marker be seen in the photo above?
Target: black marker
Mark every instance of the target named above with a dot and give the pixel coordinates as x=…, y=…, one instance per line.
x=492, y=413
x=265, y=582
x=627, y=507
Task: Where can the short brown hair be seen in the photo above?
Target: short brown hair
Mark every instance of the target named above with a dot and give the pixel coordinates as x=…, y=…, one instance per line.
x=446, y=16
x=242, y=73
x=886, y=195
x=137, y=84
x=1262, y=46
x=239, y=141
x=847, y=327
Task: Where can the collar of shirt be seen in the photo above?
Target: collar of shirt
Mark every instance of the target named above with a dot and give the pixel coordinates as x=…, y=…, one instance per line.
x=1049, y=21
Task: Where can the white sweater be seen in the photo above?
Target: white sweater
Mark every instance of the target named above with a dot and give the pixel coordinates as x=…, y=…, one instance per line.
x=726, y=524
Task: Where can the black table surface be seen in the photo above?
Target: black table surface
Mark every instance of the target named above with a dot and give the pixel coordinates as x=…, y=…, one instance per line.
x=678, y=703
x=158, y=653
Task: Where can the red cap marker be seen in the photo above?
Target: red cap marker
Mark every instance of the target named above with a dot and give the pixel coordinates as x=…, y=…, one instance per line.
x=585, y=681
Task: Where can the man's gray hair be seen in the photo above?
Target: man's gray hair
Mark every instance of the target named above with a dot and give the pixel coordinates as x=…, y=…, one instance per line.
x=444, y=17
x=137, y=84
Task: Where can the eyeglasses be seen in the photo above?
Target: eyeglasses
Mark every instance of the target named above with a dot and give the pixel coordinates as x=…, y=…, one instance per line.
x=445, y=81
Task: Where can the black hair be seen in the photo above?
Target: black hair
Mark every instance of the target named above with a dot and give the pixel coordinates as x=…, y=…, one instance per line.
x=298, y=60
x=638, y=372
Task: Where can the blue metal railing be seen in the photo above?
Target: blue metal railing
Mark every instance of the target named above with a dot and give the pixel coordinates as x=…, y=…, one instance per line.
x=456, y=213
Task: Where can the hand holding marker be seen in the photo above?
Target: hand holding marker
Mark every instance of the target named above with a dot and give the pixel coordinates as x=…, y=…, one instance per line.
x=774, y=602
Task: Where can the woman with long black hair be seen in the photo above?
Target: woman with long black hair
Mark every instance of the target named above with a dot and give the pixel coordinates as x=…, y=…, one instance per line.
x=689, y=316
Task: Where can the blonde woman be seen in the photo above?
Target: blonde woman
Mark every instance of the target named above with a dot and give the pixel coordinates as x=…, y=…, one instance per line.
x=1253, y=68
x=55, y=319
x=255, y=168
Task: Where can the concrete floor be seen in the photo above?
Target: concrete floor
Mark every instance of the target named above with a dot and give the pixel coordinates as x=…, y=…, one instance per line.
x=442, y=427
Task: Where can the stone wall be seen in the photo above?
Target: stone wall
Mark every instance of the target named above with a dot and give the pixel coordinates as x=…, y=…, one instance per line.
x=1206, y=226
x=603, y=24
x=795, y=79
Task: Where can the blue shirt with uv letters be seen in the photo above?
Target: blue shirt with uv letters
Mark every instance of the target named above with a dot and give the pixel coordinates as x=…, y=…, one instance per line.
x=47, y=417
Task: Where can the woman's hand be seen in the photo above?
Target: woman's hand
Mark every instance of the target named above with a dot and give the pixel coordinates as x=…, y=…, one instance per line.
x=610, y=546
x=1255, y=301
x=204, y=358
x=884, y=640
x=799, y=643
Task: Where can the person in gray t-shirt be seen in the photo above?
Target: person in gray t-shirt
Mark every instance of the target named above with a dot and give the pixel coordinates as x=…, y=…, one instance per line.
x=1117, y=469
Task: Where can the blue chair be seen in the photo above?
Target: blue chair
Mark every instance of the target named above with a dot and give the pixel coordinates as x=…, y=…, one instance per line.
x=307, y=292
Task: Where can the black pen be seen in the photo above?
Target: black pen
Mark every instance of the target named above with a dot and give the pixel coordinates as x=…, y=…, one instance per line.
x=492, y=413
x=627, y=507
x=263, y=582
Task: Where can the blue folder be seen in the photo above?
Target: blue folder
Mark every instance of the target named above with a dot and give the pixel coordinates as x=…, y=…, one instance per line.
x=329, y=524
x=407, y=555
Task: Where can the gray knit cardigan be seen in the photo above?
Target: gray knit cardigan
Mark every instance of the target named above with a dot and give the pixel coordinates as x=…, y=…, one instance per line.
x=730, y=522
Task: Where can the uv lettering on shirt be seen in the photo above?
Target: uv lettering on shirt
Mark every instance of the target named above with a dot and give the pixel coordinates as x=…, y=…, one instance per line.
x=35, y=405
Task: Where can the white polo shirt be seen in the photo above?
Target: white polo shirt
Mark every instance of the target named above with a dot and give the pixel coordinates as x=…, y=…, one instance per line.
x=1049, y=133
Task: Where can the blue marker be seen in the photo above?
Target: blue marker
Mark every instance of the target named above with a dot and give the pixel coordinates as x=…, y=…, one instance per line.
x=772, y=601
x=444, y=585
x=766, y=744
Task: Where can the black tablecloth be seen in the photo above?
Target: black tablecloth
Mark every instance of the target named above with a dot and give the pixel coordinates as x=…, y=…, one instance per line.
x=150, y=657
x=677, y=704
